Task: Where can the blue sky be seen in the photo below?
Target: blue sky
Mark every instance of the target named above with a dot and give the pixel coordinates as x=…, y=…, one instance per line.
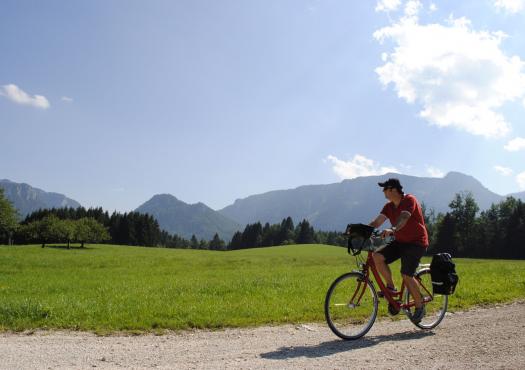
x=111, y=102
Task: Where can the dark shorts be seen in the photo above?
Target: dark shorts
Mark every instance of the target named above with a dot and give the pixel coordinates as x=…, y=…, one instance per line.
x=410, y=255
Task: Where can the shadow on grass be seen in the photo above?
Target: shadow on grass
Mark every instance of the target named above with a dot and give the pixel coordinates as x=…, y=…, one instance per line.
x=78, y=248
x=339, y=345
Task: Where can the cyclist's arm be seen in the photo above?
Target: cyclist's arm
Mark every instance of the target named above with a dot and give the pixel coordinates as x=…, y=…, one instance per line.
x=402, y=220
x=378, y=221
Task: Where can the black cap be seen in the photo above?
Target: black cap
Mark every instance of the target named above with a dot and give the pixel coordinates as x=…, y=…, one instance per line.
x=391, y=183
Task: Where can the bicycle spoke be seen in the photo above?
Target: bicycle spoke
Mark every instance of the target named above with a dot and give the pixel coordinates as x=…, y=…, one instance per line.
x=435, y=305
x=354, y=318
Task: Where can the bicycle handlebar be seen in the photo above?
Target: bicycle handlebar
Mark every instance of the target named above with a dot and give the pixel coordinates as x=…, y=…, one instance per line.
x=363, y=234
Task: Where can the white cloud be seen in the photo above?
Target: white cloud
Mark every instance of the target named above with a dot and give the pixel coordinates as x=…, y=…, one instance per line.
x=510, y=6
x=505, y=171
x=412, y=8
x=387, y=5
x=458, y=75
x=518, y=143
x=405, y=167
x=520, y=179
x=433, y=7
x=435, y=172
x=67, y=99
x=358, y=166
x=19, y=96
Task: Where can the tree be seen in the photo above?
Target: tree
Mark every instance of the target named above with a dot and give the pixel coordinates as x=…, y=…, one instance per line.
x=88, y=230
x=217, y=243
x=429, y=215
x=252, y=235
x=65, y=230
x=48, y=230
x=286, y=233
x=464, y=209
x=488, y=233
x=203, y=244
x=194, y=242
x=236, y=242
x=29, y=233
x=305, y=233
x=446, y=236
x=8, y=219
x=515, y=233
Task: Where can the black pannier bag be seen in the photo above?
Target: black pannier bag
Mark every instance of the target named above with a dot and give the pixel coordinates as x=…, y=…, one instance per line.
x=358, y=237
x=443, y=273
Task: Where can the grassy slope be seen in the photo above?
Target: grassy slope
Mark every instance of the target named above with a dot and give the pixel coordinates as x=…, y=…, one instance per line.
x=106, y=288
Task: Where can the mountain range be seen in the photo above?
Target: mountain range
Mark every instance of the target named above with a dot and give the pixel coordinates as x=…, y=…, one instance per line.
x=186, y=220
x=27, y=199
x=326, y=207
x=332, y=206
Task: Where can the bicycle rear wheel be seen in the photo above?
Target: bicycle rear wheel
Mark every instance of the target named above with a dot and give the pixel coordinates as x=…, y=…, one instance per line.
x=435, y=309
x=351, y=306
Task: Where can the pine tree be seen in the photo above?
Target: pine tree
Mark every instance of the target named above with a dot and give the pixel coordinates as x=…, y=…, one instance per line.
x=464, y=209
x=217, y=243
x=305, y=233
x=194, y=243
x=236, y=242
x=446, y=240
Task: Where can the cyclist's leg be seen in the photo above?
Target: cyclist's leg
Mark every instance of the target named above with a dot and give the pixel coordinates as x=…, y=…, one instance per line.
x=412, y=287
x=410, y=256
x=383, y=258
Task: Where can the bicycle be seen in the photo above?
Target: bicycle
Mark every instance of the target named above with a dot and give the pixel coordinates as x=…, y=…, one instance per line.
x=351, y=302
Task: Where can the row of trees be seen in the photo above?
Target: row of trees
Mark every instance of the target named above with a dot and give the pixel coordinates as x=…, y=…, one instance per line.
x=255, y=235
x=498, y=232
x=464, y=231
x=51, y=229
x=69, y=225
x=131, y=228
x=93, y=225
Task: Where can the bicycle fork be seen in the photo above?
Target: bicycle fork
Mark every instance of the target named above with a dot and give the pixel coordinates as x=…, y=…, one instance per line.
x=359, y=292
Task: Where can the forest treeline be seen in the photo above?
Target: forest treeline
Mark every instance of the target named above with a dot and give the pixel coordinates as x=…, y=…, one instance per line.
x=498, y=232
x=464, y=231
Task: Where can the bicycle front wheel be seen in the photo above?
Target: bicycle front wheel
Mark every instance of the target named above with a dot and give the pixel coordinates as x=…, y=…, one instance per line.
x=351, y=306
x=437, y=304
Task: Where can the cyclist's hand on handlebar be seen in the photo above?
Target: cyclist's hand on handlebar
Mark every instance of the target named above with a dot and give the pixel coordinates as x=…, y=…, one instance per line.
x=387, y=232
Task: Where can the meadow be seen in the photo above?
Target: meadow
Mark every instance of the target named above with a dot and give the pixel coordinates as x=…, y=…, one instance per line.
x=107, y=288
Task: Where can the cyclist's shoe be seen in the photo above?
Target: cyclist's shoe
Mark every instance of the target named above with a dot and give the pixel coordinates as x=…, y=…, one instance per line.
x=392, y=310
x=392, y=291
x=418, y=315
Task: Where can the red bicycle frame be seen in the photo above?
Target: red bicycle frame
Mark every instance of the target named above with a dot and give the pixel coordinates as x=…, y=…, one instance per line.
x=393, y=298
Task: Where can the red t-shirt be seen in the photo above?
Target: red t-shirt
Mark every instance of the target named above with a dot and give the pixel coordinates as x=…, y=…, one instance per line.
x=414, y=231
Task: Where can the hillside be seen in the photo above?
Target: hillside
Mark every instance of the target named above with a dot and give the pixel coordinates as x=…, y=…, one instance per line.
x=520, y=196
x=332, y=206
x=27, y=199
x=184, y=219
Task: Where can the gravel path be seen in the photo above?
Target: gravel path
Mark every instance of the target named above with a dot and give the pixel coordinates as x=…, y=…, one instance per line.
x=483, y=338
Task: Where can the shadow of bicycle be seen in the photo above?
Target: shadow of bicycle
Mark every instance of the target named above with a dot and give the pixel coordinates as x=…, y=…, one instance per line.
x=336, y=346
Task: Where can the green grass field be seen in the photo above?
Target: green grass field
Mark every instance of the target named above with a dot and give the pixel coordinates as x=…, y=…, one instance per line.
x=108, y=288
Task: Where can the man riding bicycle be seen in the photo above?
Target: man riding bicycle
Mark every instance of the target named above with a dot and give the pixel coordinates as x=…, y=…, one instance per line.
x=411, y=240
